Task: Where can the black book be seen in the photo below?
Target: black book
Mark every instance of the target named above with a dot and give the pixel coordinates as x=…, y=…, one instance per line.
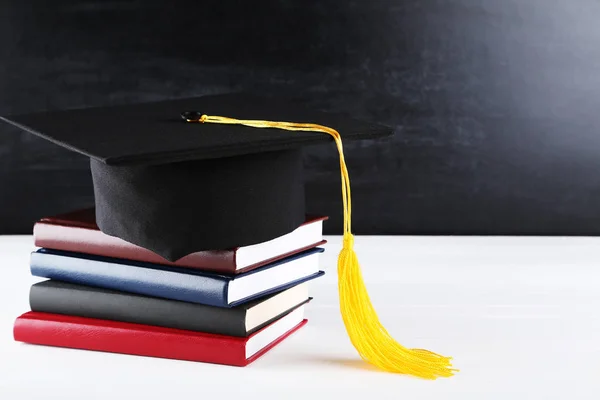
x=59, y=297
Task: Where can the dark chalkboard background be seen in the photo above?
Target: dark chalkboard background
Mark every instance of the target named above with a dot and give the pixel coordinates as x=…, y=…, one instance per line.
x=495, y=102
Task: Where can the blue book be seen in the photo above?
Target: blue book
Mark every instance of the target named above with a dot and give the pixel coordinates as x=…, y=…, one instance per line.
x=173, y=283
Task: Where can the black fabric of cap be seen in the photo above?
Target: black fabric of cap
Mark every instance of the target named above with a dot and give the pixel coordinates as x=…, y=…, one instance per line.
x=176, y=187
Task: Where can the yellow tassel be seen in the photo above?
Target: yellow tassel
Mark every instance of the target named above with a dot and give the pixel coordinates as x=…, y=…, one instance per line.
x=366, y=333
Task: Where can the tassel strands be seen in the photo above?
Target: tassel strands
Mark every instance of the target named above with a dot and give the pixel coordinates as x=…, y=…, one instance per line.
x=368, y=336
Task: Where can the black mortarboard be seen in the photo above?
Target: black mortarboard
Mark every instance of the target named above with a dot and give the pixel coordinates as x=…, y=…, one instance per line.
x=177, y=188
x=214, y=180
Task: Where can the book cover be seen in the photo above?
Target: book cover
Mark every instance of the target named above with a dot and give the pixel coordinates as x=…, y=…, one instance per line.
x=173, y=283
x=56, y=297
x=78, y=232
x=151, y=341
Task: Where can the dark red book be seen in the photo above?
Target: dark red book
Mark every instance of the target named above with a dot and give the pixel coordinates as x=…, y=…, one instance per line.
x=152, y=341
x=77, y=232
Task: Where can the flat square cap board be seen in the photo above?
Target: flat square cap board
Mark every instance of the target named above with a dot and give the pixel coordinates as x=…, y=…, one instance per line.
x=153, y=133
x=176, y=187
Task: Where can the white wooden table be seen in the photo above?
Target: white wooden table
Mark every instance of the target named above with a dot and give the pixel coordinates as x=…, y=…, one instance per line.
x=520, y=316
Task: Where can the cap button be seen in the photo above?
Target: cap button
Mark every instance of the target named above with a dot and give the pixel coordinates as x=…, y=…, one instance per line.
x=191, y=116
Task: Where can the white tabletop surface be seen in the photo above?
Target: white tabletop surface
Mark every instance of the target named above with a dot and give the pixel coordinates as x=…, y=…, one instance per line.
x=520, y=316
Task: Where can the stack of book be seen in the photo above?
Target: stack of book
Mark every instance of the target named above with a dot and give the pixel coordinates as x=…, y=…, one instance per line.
x=223, y=306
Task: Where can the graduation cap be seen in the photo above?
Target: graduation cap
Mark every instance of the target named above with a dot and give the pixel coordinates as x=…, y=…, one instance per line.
x=217, y=172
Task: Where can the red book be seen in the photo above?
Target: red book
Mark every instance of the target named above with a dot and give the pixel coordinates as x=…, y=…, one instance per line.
x=152, y=341
x=77, y=232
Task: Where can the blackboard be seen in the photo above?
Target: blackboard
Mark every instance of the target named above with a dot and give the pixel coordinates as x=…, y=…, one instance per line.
x=494, y=103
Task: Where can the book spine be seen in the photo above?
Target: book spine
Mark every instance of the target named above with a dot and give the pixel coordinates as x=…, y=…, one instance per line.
x=77, y=300
x=130, y=278
x=93, y=241
x=125, y=338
